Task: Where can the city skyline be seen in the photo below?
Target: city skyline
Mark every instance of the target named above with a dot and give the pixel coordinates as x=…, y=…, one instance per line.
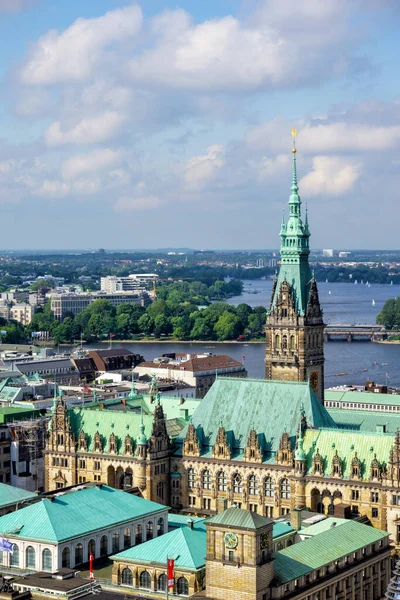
x=161, y=125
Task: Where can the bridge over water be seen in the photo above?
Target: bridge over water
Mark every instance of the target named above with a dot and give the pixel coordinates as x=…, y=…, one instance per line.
x=356, y=332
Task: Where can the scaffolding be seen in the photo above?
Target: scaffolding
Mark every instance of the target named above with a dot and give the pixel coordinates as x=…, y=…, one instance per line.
x=28, y=441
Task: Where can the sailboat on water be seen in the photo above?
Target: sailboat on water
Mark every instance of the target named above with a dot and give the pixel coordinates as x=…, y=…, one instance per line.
x=373, y=302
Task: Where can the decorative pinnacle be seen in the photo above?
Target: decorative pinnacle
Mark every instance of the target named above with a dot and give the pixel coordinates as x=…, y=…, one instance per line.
x=294, y=133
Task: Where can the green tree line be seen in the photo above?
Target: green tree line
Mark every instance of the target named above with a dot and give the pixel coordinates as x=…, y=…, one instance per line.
x=390, y=314
x=182, y=311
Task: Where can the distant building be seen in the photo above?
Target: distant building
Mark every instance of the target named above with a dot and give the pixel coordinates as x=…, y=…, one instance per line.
x=22, y=313
x=114, y=359
x=273, y=262
x=134, y=282
x=12, y=498
x=64, y=304
x=260, y=263
x=344, y=254
x=327, y=252
x=195, y=370
x=62, y=368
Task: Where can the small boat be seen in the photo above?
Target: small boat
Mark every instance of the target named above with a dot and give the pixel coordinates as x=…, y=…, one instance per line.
x=341, y=374
x=373, y=302
x=329, y=292
x=385, y=364
x=391, y=282
x=326, y=281
x=364, y=370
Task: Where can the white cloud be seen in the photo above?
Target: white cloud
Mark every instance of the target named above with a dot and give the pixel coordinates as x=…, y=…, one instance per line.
x=141, y=199
x=331, y=176
x=51, y=188
x=271, y=166
x=90, y=130
x=81, y=164
x=73, y=55
x=200, y=170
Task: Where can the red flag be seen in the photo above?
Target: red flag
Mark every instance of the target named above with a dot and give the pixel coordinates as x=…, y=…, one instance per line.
x=86, y=389
x=243, y=357
x=112, y=335
x=91, y=574
x=171, y=564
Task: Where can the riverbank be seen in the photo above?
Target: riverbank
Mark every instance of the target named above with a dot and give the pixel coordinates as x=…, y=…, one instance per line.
x=209, y=343
x=393, y=342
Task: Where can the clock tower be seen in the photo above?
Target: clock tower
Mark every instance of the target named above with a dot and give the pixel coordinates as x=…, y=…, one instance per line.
x=239, y=560
x=295, y=327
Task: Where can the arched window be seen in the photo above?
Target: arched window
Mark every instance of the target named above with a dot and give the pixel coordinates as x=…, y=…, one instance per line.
x=47, y=560
x=138, y=534
x=277, y=342
x=78, y=554
x=126, y=576
x=91, y=548
x=160, y=526
x=30, y=558
x=144, y=580
x=15, y=556
x=237, y=484
x=269, y=487
x=221, y=481
x=66, y=558
x=127, y=538
x=206, y=480
x=182, y=586
x=284, y=342
x=191, y=478
x=292, y=342
x=285, y=488
x=160, y=490
x=162, y=583
x=115, y=541
x=104, y=546
x=149, y=530
x=253, y=485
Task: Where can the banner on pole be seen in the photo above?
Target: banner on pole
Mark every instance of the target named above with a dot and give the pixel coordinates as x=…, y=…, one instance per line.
x=171, y=565
x=6, y=546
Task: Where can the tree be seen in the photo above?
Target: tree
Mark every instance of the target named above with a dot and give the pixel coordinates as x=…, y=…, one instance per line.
x=243, y=311
x=146, y=324
x=228, y=326
x=390, y=314
x=201, y=330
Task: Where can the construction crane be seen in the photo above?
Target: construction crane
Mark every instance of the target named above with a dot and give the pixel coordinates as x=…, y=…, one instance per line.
x=166, y=279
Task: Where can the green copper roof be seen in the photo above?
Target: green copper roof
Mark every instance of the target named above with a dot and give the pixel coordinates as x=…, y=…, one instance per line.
x=186, y=544
x=314, y=553
x=362, y=420
x=321, y=526
x=346, y=443
x=269, y=406
x=12, y=495
x=17, y=413
x=367, y=398
x=238, y=517
x=295, y=268
x=280, y=528
x=106, y=422
x=76, y=513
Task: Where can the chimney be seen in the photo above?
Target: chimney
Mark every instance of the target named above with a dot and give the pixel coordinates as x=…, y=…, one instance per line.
x=295, y=518
x=190, y=523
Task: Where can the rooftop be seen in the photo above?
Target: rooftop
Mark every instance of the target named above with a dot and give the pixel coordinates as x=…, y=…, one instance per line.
x=11, y=495
x=241, y=518
x=270, y=406
x=187, y=544
x=75, y=513
x=318, y=551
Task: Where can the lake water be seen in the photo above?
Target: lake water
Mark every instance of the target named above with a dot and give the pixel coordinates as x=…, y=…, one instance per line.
x=347, y=303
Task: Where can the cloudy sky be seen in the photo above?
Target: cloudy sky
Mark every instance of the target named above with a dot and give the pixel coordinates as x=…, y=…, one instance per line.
x=166, y=123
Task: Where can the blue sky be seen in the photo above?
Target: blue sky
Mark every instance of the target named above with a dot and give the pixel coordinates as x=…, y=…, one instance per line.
x=164, y=123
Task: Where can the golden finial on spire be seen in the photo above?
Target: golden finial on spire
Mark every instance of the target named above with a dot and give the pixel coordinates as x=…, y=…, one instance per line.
x=294, y=133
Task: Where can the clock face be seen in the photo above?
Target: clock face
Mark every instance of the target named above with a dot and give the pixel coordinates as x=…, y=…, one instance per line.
x=231, y=540
x=314, y=380
x=264, y=541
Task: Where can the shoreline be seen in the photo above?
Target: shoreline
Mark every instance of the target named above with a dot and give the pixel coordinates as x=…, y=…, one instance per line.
x=208, y=342
x=388, y=342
